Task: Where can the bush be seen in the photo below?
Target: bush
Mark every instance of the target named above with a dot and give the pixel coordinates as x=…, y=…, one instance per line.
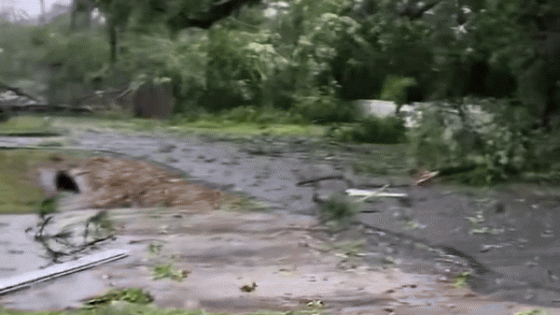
x=396, y=89
x=373, y=129
x=324, y=108
x=241, y=114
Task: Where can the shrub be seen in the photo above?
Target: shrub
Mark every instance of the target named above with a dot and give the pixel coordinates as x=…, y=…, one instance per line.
x=241, y=114
x=396, y=88
x=322, y=108
x=373, y=129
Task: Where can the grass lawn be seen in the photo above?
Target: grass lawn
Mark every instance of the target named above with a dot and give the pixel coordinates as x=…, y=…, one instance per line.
x=18, y=192
x=214, y=126
x=248, y=129
x=35, y=126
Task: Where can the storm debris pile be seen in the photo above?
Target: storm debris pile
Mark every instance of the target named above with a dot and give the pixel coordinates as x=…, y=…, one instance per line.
x=113, y=183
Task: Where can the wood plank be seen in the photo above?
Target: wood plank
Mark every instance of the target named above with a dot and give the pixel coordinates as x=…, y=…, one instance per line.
x=368, y=194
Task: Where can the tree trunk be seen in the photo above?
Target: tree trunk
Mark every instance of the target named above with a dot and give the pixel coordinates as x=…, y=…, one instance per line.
x=112, y=29
x=550, y=106
x=89, y=10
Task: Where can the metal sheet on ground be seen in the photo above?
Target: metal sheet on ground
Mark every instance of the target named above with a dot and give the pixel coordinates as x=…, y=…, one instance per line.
x=59, y=270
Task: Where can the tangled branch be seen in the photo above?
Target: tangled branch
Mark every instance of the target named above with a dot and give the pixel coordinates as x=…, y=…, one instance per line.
x=98, y=228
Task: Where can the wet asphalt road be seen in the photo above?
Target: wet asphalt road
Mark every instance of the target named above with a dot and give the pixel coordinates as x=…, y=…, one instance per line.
x=508, y=238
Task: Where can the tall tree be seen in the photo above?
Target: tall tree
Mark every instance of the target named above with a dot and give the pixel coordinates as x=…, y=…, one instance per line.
x=117, y=13
x=541, y=21
x=176, y=15
x=81, y=8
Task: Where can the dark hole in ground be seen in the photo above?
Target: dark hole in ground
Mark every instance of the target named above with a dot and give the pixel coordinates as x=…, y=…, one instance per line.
x=65, y=182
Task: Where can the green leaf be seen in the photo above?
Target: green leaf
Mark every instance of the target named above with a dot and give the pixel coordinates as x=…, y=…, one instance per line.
x=48, y=206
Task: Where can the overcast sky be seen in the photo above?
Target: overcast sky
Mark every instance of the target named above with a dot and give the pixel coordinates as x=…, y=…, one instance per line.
x=32, y=7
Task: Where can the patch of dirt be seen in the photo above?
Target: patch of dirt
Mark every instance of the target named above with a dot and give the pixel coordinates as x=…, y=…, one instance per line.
x=106, y=182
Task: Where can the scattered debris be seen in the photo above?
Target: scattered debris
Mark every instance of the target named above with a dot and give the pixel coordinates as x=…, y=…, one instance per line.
x=316, y=304
x=66, y=242
x=169, y=271
x=462, y=279
x=248, y=288
x=369, y=194
x=423, y=177
x=168, y=148
x=318, y=179
x=130, y=295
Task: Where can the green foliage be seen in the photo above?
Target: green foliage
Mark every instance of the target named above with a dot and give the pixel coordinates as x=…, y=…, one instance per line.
x=130, y=295
x=400, y=48
x=163, y=271
x=75, y=56
x=155, y=55
x=48, y=206
x=18, y=194
x=372, y=129
x=327, y=54
x=317, y=107
x=461, y=280
x=535, y=311
x=309, y=59
x=50, y=144
x=338, y=208
x=483, y=146
x=23, y=126
x=39, y=36
x=99, y=225
x=155, y=248
x=17, y=57
x=241, y=69
x=395, y=89
x=247, y=115
x=241, y=114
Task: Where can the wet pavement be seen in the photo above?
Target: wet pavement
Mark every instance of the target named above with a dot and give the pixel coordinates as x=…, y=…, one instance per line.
x=508, y=238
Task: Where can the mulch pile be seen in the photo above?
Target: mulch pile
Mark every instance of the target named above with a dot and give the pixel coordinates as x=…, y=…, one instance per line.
x=114, y=183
